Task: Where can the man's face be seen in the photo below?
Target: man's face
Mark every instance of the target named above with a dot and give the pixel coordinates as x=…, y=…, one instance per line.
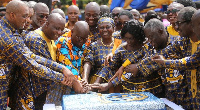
x=115, y=14
x=136, y=15
x=73, y=14
x=40, y=16
x=29, y=20
x=92, y=16
x=184, y=27
x=196, y=26
x=123, y=19
x=155, y=38
x=55, y=29
x=21, y=17
x=79, y=38
x=105, y=30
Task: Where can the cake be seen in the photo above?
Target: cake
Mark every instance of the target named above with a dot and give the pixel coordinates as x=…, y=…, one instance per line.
x=113, y=101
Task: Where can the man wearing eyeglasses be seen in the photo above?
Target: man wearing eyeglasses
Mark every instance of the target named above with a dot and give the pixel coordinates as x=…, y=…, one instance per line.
x=41, y=13
x=185, y=90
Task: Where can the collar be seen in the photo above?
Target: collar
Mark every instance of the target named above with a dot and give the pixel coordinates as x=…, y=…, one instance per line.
x=6, y=23
x=172, y=31
x=40, y=32
x=67, y=24
x=198, y=42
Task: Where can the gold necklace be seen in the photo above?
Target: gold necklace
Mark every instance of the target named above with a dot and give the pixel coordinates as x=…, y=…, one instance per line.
x=109, y=44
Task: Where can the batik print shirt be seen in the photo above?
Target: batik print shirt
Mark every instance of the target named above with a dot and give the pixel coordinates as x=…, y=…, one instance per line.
x=96, y=56
x=139, y=83
x=179, y=49
x=69, y=55
x=14, y=51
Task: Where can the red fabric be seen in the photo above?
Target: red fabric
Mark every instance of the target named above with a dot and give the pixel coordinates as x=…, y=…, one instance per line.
x=73, y=2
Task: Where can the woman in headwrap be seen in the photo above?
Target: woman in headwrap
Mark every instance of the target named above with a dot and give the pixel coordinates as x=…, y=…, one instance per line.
x=94, y=61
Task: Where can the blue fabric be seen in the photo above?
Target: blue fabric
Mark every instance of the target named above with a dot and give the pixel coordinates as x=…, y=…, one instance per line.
x=139, y=4
x=135, y=4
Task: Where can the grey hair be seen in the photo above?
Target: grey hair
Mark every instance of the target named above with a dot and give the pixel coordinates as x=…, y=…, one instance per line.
x=154, y=24
x=187, y=13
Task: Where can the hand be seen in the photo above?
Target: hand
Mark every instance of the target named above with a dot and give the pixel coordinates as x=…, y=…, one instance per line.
x=65, y=82
x=84, y=88
x=159, y=59
x=118, y=74
x=84, y=83
x=132, y=68
x=69, y=77
x=100, y=87
x=108, y=57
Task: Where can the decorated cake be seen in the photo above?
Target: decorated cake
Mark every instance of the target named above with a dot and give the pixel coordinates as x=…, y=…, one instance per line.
x=113, y=101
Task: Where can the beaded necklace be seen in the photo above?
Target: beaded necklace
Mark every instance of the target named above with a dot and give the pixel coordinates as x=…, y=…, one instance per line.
x=109, y=44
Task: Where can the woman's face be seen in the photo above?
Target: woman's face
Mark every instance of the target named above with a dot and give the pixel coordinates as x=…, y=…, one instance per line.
x=106, y=30
x=129, y=39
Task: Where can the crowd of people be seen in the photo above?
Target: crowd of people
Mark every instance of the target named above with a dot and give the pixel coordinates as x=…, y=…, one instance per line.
x=43, y=57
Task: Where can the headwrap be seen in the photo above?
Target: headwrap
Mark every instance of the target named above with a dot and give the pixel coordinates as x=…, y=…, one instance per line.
x=106, y=19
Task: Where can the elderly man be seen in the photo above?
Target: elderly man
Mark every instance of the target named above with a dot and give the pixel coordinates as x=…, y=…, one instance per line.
x=14, y=53
x=184, y=47
x=92, y=12
x=72, y=13
x=41, y=13
x=136, y=14
x=70, y=54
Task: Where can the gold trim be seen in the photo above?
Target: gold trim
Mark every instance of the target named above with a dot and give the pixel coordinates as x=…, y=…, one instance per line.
x=140, y=90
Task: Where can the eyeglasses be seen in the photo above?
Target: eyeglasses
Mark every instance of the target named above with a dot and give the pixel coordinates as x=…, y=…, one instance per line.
x=181, y=22
x=43, y=15
x=172, y=11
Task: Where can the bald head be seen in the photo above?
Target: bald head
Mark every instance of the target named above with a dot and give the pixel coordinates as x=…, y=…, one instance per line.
x=104, y=9
x=54, y=26
x=81, y=26
x=56, y=17
x=80, y=33
x=73, y=13
x=15, y=6
x=57, y=10
x=40, y=7
x=17, y=13
x=72, y=7
x=92, y=6
x=118, y=9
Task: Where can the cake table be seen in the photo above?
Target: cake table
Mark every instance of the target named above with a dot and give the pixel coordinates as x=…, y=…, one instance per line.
x=113, y=101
